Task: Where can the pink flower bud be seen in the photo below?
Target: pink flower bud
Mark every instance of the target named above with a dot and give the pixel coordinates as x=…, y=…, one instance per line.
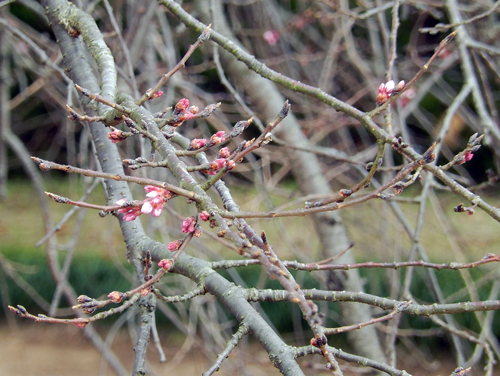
x=197, y=143
x=188, y=225
x=204, y=216
x=174, y=246
x=165, y=264
x=468, y=156
x=230, y=165
x=223, y=153
x=185, y=116
x=389, y=86
x=220, y=133
x=218, y=164
x=182, y=105
x=116, y=135
x=158, y=94
x=385, y=91
x=217, y=138
x=129, y=212
x=116, y=296
x=400, y=86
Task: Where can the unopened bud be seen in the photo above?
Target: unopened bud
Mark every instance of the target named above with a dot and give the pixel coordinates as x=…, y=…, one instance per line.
x=165, y=264
x=116, y=296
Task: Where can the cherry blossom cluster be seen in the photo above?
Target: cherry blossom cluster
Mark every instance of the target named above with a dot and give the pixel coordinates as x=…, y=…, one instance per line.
x=189, y=226
x=156, y=198
x=220, y=162
x=198, y=143
x=182, y=112
x=387, y=90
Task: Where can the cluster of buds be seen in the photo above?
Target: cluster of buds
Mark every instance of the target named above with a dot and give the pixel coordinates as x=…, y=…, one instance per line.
x=398, y=144
x=156, y=198
x=189, y=226
x=216, y=139
x=473, y=145
x=165, y=264
x=461, y=208
x=218, y=164
x=183, y=112
x=198, y=143
x=87, y=304
x=204, y=216
x=387, y=90
x=134, y=164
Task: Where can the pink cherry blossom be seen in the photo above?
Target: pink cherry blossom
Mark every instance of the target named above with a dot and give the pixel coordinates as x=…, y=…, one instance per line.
x=156, y=198
x=129, y=212
x=188, y=225
x=153, y=206
x=271, y=37
x=385, y=91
